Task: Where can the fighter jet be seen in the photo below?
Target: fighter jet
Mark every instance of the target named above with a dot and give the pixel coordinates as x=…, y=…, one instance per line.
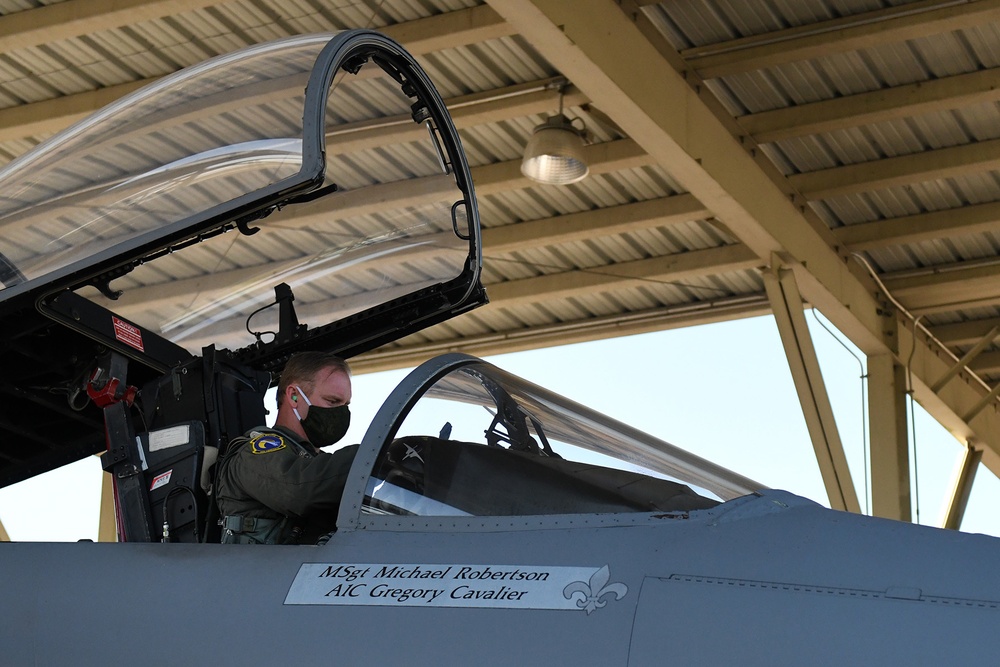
x=161, y=260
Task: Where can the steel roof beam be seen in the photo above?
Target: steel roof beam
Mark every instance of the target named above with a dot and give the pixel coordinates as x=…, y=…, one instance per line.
x=527, y=99
x=595, y=328
x=497, y=241
x=965, y=333
x=947, y=288
x=840, y=35
x=449, y=30
x=408, y=354
x=594, y=224
x=878, y=106
x=77, y=18
x=51, y=116
x=986, y=364
x=973, y=158
x=74, y=18
x=664, y=270
x=605, y=157
x=422, y=36
x=971, y=219
x=515, y=293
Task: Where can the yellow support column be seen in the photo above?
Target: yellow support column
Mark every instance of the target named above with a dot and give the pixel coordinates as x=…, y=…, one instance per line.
x=786, y=303
x=890, y=454
x=107, y=530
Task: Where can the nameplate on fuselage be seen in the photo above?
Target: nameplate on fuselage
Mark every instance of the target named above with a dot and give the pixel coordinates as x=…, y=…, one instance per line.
x=443, y=585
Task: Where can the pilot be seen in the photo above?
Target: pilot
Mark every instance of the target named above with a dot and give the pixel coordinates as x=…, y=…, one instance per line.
x=275, y=485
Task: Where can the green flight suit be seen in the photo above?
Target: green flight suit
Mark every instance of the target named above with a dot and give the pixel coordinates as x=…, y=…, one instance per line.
x=273, y=489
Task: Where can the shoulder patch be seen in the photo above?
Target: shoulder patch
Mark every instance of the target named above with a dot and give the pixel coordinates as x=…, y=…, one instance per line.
x=267, y=443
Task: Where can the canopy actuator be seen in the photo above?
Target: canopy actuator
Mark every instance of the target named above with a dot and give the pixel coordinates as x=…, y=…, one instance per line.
x=289, y=328
x=288, y=322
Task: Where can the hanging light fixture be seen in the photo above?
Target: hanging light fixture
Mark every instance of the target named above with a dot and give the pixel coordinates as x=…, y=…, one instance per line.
x=554, y=154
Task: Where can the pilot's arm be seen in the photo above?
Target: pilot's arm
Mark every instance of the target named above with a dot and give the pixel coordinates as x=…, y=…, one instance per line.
x=294, y=485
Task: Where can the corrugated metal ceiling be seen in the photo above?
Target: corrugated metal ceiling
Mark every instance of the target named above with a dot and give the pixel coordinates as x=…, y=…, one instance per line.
x=801, y=86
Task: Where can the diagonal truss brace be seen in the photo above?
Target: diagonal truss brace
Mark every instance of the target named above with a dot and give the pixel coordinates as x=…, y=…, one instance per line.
x=966, y=359
x=786, y=303
x=963, y=487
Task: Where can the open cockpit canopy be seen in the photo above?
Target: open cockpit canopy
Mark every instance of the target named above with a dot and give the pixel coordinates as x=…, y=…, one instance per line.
x=322, y=170
x=324, y=162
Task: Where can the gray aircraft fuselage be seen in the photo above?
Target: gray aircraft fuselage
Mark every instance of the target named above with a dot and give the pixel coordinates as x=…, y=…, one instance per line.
x=761, y=580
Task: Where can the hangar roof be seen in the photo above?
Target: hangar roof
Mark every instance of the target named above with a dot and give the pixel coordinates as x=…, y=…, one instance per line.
x=853, y=143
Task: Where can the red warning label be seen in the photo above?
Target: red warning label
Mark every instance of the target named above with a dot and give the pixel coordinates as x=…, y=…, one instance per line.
x=128, y=334
x=161, y=480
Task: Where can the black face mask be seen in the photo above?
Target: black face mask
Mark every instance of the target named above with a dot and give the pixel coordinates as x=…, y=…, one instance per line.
x=324, y=426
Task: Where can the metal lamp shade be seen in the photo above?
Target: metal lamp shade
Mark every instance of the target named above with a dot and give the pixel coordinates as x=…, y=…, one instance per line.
x=554, y=155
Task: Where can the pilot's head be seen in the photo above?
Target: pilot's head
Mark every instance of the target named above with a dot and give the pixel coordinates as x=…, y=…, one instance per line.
x=313, y=395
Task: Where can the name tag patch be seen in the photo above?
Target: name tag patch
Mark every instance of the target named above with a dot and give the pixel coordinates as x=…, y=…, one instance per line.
x=485, y=586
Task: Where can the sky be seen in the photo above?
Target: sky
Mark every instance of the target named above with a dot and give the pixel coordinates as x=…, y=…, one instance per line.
x=721, y=391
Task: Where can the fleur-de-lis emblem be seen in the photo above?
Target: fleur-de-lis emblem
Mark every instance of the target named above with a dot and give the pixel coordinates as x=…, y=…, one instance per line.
x=594, y=595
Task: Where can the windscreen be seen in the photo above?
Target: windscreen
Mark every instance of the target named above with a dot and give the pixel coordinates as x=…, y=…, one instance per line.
x=482, y=442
